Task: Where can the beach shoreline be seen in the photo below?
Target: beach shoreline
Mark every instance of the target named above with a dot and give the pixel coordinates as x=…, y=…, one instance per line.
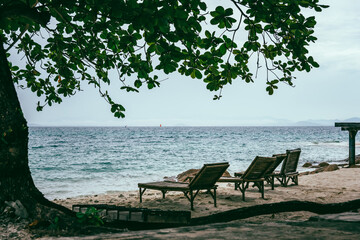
x=68, y=162
x=324, y=187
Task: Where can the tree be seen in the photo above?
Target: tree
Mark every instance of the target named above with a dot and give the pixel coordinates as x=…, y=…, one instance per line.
x=66, y=43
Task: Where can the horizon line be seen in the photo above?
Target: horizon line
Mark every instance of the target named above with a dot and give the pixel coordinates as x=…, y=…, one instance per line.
x=164, y=126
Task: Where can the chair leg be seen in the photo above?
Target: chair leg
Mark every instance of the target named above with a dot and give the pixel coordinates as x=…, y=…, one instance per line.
x=242, y=189
x=272, y=182
x=191, y=200
x=141, y=193
x=287, y=180
x=296, y=180
x=191, y=197
x=282, y=181
x=214, y=197
x=261, y=187
x=258, y=185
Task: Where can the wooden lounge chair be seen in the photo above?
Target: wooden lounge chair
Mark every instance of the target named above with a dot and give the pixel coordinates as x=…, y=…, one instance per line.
x=288, y=169
x=269, y=175
x=255, y=173
x=205, y=179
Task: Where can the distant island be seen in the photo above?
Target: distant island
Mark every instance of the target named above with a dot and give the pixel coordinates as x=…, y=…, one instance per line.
x=325, y=122
x=261, y=122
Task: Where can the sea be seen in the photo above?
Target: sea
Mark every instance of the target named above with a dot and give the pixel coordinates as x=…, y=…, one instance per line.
x=74, y=161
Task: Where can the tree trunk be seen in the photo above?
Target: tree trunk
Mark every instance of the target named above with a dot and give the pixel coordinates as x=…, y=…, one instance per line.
x=16, y=182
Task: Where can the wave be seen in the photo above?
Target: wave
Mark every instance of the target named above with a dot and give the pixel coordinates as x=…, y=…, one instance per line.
x=74, y=163
x=37, y=147
x=330, y=143
x=98, y=170
x=104, y=163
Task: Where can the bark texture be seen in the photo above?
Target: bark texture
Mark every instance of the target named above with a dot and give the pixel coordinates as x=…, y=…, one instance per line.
x=16, y=182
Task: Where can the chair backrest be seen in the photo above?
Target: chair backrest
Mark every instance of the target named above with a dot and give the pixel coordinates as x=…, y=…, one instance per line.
x=279, y=159
x=291, y=161
x=208, y=175
x=258, y=167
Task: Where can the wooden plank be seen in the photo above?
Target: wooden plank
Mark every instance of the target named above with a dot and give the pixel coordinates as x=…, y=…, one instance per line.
x=167, y=186
x=355, y=125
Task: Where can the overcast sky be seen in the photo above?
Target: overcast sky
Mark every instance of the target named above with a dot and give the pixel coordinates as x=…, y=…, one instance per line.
x=329, y=92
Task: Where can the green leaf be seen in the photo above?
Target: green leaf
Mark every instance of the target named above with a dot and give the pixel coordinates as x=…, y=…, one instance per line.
x=207, y=34
x=137, y=83
x=193, y=73
x=152, y=48
x=315, y=64
x=129, y=89
x=220, y=10
x=270, y=90
x=229, y=12
x=180, y=14
x=215, y=21
x=198, y=74
x=202, y=6
x=151, y=85
x=223, y=49
x=14, y=68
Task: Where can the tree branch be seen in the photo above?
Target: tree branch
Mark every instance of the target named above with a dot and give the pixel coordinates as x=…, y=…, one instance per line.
x=18, y=38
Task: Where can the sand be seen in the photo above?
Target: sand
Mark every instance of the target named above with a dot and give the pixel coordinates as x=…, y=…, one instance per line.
x=326, y=187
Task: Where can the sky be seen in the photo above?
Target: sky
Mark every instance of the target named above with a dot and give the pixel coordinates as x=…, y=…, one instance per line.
x=327, y=93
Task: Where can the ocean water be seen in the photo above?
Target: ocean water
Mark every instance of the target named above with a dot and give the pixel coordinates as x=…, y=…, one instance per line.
x=73, y=161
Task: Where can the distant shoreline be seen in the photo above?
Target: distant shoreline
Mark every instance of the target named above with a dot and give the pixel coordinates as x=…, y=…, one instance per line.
x=259, y=122
x=127, y=126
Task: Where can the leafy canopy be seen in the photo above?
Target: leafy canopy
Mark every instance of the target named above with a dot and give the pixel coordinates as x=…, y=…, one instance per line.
x=70, y=42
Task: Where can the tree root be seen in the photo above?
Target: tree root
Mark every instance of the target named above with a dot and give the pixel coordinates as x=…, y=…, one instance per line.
x=289, y=206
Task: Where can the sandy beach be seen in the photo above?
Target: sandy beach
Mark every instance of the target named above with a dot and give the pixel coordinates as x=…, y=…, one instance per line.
x=325, y=187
